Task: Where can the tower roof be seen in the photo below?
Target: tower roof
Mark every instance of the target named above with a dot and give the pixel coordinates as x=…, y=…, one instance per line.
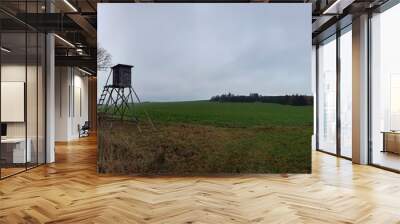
x=121, y=65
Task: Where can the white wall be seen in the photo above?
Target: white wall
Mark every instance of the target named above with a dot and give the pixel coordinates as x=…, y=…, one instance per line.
x=61, y=103
x=71, y=102
x=33, y=126
x=16, y=72
x=80, y=110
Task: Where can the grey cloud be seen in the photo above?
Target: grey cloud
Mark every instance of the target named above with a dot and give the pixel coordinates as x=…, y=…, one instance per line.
x=195, y=51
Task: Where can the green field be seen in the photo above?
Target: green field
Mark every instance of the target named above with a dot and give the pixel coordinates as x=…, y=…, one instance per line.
x=228, y=114
x=202, y=137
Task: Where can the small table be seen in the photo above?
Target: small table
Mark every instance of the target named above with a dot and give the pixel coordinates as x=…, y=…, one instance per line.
x=13, y=150
x=391, y=141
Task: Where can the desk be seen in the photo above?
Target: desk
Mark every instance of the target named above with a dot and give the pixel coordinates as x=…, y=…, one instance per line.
x=391, y=141
x=13, y=150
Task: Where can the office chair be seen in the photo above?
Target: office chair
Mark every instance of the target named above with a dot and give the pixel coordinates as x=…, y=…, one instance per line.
x=84, y=130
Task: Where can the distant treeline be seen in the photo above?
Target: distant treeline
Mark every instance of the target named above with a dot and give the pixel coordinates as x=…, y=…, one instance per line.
x=295, y=100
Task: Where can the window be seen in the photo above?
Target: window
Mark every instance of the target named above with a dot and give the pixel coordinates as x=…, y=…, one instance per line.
x=346, y=93
x=385, y=89
x=327, y=95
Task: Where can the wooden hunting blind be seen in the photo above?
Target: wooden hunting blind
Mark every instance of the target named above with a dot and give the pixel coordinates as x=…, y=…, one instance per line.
x=117, y=98
x=122, y=76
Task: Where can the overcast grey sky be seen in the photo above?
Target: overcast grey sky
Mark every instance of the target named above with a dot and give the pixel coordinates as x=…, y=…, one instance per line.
x=195, y=51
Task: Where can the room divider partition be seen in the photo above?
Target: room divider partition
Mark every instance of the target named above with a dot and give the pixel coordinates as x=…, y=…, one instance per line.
x=22, y=77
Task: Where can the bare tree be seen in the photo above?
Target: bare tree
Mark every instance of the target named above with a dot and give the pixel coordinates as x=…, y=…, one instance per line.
x=103, y=58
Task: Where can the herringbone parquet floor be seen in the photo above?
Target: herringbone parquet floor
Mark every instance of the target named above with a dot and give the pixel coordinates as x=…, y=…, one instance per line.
x=70, y=191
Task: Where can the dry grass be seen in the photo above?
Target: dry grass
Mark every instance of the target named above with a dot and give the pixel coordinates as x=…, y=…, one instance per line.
x=182, y=149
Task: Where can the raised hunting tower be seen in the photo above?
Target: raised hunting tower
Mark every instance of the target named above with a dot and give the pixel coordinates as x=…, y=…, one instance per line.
x=118, y=96
x=122, y=76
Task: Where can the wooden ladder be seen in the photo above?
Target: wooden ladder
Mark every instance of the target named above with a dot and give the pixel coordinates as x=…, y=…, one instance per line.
x=105, y=90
